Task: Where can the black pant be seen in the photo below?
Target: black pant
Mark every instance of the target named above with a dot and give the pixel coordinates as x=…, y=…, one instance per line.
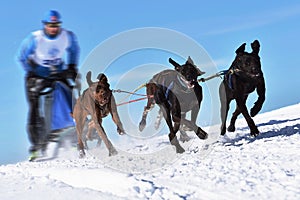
x=39, y=116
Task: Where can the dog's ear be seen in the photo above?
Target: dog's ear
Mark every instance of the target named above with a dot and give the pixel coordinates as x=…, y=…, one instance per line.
x=102, y=78
x=175, y=64
x=89, y=78
x=241, y=49
x=255, y=46
x=199, y=72
x=189, y=60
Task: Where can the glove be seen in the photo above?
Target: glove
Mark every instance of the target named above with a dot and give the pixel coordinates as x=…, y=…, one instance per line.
x=32, y=63
x=72, y=71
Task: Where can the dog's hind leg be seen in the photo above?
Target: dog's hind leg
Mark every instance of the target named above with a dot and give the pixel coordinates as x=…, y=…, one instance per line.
x=243, y=108
x=224, y=106
x=191, y=125
x=231, y=127
x=183, y=128
x=173, y=130
x=112, y=151
x=236, y=113
x=91, y=127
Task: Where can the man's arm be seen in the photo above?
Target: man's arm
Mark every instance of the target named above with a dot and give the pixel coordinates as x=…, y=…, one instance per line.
x=27, y=48
x=73, y=55
x=73, y=50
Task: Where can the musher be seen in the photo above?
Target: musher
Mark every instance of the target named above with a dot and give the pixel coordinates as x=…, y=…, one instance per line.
x=48, y=55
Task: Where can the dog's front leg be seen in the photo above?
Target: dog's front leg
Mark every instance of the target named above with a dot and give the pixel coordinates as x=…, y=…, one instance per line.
x=199, y=132
x=243, y=109
x=261, y=90
x=80, y=116
x=115, y=116
x=194, y=114
x=98, y=125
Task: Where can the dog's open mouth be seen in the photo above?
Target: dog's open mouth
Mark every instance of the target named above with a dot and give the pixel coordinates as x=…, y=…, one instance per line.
x=188, y=84
x=103, y=102
x=254, y=75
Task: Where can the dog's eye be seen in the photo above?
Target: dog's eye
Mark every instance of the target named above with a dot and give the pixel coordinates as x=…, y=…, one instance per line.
x=247, y=62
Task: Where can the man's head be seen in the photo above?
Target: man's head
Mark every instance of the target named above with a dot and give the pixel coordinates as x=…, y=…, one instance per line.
x=52, y=22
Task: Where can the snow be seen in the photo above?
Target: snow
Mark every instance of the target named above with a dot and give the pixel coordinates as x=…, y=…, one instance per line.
x=236, y=167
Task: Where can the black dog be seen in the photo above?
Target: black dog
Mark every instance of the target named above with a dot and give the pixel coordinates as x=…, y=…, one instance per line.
x=176, y=92
x=243, y=77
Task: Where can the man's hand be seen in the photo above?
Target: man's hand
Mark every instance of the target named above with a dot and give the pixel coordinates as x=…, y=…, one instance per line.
x=72, y=71
x=32, y=63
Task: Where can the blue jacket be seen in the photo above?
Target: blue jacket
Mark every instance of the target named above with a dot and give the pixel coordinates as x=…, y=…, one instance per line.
x=48, y=53
x=40, y=55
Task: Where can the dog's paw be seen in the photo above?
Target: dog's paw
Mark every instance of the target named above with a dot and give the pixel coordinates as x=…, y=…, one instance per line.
x=254, y=132
x=112, y=152
x=121, y=131
x=81, y=153
x=231, y=128
x=201, y=134
x=142, y=125
x=179, y=149
x=254, y=111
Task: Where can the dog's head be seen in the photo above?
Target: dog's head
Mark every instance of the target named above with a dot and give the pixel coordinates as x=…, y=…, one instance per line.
x=248, y=64
x=189, y=72
x=101, y=91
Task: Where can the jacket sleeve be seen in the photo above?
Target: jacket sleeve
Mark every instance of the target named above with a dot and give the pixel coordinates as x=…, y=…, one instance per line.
x=73, y=49
x=27, y=48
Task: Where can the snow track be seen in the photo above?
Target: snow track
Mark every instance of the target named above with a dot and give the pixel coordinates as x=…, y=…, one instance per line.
x=236, y=167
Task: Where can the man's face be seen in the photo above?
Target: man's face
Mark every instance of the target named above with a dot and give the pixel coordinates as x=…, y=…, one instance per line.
x=52, y=29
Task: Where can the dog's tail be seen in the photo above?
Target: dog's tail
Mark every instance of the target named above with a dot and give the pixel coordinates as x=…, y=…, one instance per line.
x=89, y=78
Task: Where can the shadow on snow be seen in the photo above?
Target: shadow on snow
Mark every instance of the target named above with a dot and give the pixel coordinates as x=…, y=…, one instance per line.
x=274, y=132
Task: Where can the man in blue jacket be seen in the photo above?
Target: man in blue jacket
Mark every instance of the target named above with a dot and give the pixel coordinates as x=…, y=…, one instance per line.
x=50, y=58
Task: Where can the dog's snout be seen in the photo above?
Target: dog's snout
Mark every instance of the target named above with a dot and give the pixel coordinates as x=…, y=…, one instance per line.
x=255, y=71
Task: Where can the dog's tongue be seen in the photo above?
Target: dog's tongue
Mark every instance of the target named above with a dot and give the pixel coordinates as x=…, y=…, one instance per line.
x=190, y=85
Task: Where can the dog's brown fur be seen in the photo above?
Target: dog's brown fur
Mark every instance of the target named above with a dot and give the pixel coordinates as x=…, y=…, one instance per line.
x=96, y=101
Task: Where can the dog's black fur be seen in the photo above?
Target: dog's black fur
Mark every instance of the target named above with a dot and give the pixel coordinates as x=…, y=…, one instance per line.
x=176, y=92
x=244, y=76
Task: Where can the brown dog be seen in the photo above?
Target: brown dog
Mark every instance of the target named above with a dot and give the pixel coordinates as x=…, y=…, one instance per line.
x=96, y=101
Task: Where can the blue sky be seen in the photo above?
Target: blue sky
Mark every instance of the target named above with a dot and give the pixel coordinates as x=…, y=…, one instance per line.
x=219, y=27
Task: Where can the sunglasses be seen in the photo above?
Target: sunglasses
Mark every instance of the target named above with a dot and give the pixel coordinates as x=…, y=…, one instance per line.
x=53, y=25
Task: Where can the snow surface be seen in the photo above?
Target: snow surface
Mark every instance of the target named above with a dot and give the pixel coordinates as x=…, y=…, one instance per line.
x=236, y=167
